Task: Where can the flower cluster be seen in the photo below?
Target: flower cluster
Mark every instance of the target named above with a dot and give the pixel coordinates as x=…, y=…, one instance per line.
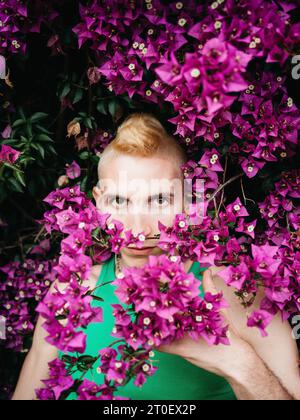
x=273, y=263
x=25, y=285
x=18, y=18
x=121, y=365
x=197, y=58
x=221, y=68
x=60, y=383
x=165, y=303
x=267, y=123
x=73, y=306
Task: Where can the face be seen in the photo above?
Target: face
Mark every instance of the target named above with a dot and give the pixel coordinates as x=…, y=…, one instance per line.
x=139, y=192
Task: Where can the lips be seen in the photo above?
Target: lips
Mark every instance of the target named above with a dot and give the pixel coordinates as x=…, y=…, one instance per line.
x=139, y=249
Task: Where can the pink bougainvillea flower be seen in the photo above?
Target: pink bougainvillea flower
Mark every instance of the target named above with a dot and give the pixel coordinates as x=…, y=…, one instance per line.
x=8, y=154
x=261, y=320
x=58, y=381
x=235, y=276
x=73, y=170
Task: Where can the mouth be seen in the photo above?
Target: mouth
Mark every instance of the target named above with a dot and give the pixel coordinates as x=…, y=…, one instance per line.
x=143, y=250
x=144, y=247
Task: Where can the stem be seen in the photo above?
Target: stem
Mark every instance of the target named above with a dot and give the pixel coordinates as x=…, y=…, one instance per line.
x=92, y=364
x=216, y=210
x=39, y=233
x=102, y=284
x=224, y=185
x=244, y=197
x=224, y=177
x=288, y=223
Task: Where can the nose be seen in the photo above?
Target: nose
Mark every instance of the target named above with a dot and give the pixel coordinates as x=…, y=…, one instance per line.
x=141, y=225
x=146, y=230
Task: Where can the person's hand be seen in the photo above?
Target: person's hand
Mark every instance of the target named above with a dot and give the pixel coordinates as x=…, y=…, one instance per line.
x=221, y=359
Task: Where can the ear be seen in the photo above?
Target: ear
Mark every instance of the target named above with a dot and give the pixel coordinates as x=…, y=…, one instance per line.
x=96, y=193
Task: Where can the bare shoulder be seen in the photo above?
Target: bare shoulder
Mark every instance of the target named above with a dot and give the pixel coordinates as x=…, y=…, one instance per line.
x=93, y=277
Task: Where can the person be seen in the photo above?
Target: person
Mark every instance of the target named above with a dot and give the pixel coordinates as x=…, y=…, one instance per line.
x=142, y=154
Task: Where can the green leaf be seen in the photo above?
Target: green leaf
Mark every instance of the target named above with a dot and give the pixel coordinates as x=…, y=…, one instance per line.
x=34, y=146
x=24, y=160
x=60, y=317
x=84, y=155
x=66, y=90
x=78, y=95
x=82, y=368
x=10, y=141
x=44, y=138
x=15, y=186
x=66, y=358
x=41, y=150
x=18, y=123
x=29, y=129
x=102, y=107
x=38, y=116
x=22, y=113
x=51, y=148
x=13, y=167
x=88, y=123
x=86, y=359
x=43, y=129
x=20, y=177
x=112, y=107
x=97, y=298
x=83, y=184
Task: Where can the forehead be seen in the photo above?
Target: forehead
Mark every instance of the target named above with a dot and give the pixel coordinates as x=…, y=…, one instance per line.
x=139, y=174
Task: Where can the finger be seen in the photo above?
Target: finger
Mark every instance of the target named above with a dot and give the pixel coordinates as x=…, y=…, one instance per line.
x=209, y=286
x=208, y=283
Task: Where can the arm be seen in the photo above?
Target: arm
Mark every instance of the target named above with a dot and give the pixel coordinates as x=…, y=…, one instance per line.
x=250, y=370
x=272, y=371
x=35, y=367
x=253, y=380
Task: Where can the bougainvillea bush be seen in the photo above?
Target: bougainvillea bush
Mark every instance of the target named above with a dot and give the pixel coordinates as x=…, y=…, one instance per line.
x=219, y=75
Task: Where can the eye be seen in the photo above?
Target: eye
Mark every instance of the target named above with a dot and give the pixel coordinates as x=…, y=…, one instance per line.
x=162, y=200
x=118, y=201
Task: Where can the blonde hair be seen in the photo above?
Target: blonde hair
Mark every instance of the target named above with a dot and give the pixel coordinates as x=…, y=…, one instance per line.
x=142, y=135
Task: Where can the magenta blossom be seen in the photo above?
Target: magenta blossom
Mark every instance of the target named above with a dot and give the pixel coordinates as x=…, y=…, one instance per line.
x=8, y=154
x=261, y=320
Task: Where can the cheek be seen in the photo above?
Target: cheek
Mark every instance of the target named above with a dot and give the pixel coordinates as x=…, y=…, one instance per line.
x=166, y=219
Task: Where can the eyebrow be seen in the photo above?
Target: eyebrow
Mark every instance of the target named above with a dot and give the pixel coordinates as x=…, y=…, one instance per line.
x=169, y=194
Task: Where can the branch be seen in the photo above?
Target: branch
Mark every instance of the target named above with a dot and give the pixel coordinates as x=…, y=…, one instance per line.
x=224, y=185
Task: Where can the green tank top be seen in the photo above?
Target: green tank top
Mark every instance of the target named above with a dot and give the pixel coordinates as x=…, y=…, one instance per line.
x=175, y=379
